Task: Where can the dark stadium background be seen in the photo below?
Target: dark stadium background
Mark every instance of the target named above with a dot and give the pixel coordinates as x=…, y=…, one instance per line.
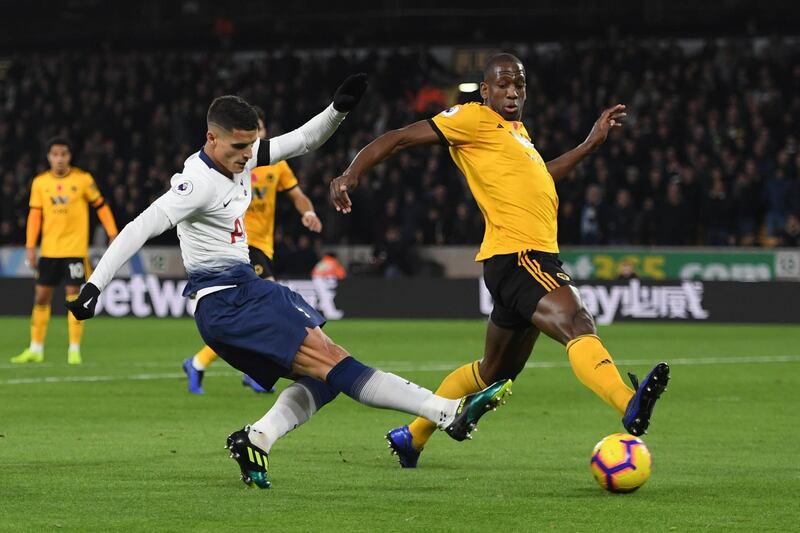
x=697, y=264
x=709, y=158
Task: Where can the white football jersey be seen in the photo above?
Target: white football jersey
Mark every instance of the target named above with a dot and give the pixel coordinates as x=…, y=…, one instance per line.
x=208, y=208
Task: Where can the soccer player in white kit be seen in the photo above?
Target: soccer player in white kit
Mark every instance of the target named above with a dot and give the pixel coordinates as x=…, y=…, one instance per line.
x=260, y=327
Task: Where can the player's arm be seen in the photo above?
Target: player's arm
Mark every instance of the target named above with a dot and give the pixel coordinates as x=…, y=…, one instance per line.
x=170, y=208
x=563, y=164
x=34, y=225
x=106, y=218
x=32, y=230
x=96, y=200
x=389, y=143
x=316, y=131
x=306, y=209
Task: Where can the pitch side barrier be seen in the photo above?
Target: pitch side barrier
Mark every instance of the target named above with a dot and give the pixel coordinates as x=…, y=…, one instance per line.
x=582, y=263
x=420, y=298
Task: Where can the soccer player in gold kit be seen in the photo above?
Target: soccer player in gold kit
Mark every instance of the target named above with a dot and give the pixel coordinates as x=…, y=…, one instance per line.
x=515, y=190
x=259, y=222
x=59, y=211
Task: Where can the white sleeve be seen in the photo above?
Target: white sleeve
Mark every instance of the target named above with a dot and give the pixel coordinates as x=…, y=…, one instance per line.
x=307, y=137
x=185, y=196
x=151, y=222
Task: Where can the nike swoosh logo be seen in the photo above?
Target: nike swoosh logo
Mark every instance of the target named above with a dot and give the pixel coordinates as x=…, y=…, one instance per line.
x=88, y=302
x=225, y=204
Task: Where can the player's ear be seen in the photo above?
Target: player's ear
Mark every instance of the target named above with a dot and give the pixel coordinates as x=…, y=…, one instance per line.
x=484, y=90
x=210, y=137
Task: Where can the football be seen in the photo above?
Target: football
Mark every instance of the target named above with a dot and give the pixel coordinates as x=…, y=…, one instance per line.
x=621, y=463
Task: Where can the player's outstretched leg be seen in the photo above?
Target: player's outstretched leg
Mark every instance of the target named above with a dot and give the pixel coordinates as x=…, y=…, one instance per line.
x=294, y=406
x=471, y=408
x=376, y=388
x=407, y=441
x=640, y=407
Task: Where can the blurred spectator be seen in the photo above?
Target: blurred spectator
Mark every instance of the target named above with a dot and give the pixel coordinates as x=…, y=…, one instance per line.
x=790, y=235
x=328, y=267
x=718, y=214
x=672, y=225
x=626, y=271
x=592, y=216
x=776, y=199
x=393, y=258
x=717, y=117
x=622, y=220
x=300, y=261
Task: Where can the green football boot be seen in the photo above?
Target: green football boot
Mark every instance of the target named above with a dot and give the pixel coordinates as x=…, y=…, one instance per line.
x=27, y=356
x=474, y=406
x=74, y=357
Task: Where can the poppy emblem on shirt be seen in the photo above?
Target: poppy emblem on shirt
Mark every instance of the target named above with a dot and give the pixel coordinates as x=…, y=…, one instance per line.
x=183, y=188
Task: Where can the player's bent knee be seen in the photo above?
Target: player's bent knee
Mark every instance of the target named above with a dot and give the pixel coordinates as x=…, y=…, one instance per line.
x=43, y=296
x=582, y=324
x=317, y=355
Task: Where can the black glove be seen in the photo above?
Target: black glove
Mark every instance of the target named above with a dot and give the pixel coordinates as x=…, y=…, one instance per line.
x=350, y=92
x=83, y=307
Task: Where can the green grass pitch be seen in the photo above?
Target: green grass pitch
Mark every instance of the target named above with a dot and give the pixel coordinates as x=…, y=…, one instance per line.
x=118, y=443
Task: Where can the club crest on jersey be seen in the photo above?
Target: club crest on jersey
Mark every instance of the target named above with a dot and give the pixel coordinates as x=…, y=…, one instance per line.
x=183, y=188
x=522, y=140
x=452, y=111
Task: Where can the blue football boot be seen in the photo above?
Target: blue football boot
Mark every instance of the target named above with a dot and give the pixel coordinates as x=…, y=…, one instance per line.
x=400, y=441
x=253, y=461
x=247, y=381
x=640, y=407
x=195, y=377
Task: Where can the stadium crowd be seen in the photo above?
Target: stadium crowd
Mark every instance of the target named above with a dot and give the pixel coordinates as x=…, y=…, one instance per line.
x=709, y=155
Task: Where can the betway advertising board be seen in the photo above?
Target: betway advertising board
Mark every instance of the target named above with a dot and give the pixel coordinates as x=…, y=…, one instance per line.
x=722, y=264
x=635, y=300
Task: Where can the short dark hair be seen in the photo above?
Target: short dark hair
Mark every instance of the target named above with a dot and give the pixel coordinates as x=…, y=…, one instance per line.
x=232, y=113
x=505, y=57
x=61, y=141
x=260, y=114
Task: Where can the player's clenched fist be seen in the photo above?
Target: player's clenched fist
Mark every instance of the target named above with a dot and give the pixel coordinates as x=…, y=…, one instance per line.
x=83, y=307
